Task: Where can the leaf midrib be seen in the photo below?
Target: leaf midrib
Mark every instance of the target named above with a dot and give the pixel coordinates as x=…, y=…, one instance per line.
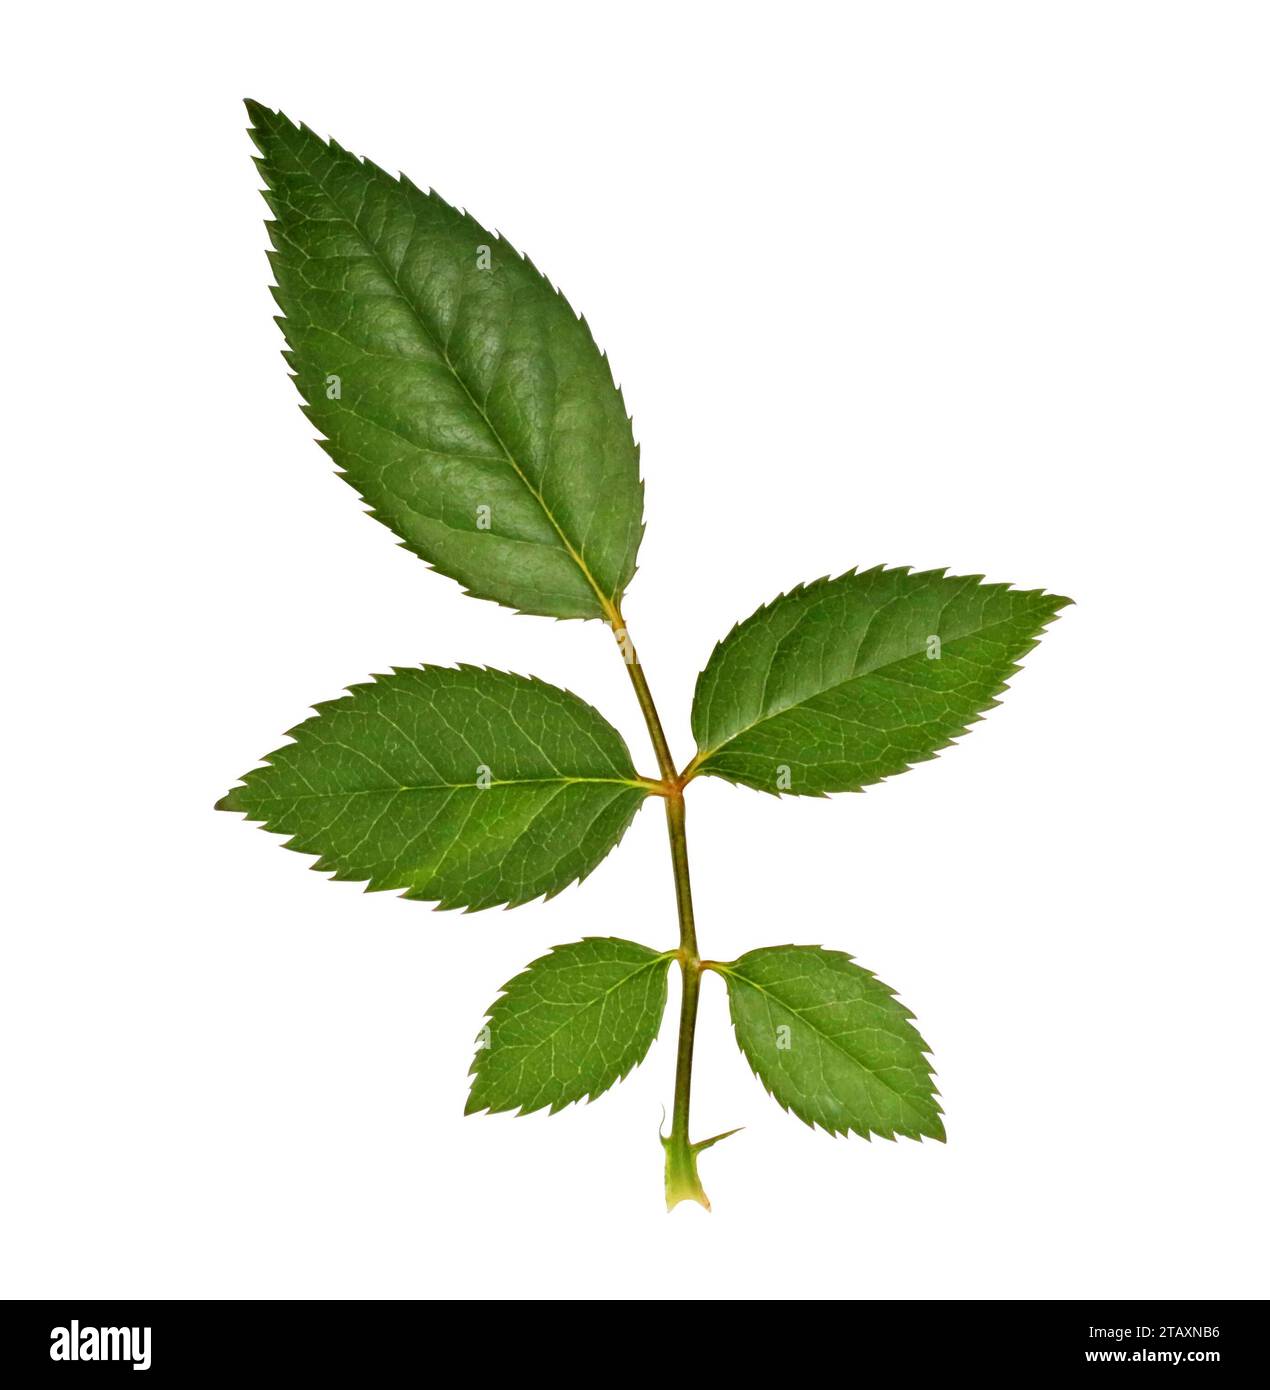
x=606, y=600
x=460, y=786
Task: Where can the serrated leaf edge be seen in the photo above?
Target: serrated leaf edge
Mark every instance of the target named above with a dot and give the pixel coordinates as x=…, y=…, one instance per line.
x=555, y=1107
x=700, y=764
x=608, y=603
x=728, y=970
x=229, y=802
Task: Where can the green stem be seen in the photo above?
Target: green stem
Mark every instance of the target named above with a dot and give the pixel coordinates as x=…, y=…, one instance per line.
x=665, y=763
x=682, y=1182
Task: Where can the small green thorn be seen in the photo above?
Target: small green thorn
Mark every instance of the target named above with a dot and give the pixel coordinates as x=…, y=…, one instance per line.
x=705, y=1143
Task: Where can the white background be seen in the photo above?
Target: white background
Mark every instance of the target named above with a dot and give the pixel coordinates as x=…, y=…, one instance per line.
x=976, y=285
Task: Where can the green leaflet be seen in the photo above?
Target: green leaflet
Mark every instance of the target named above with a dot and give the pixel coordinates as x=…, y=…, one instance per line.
x=570, y=1026
x=846, y=681
x=456, y=389
x=467, y=787
x=830, y=1042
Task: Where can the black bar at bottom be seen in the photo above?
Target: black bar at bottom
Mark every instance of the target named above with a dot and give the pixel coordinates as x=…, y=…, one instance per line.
x=87, y=1339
